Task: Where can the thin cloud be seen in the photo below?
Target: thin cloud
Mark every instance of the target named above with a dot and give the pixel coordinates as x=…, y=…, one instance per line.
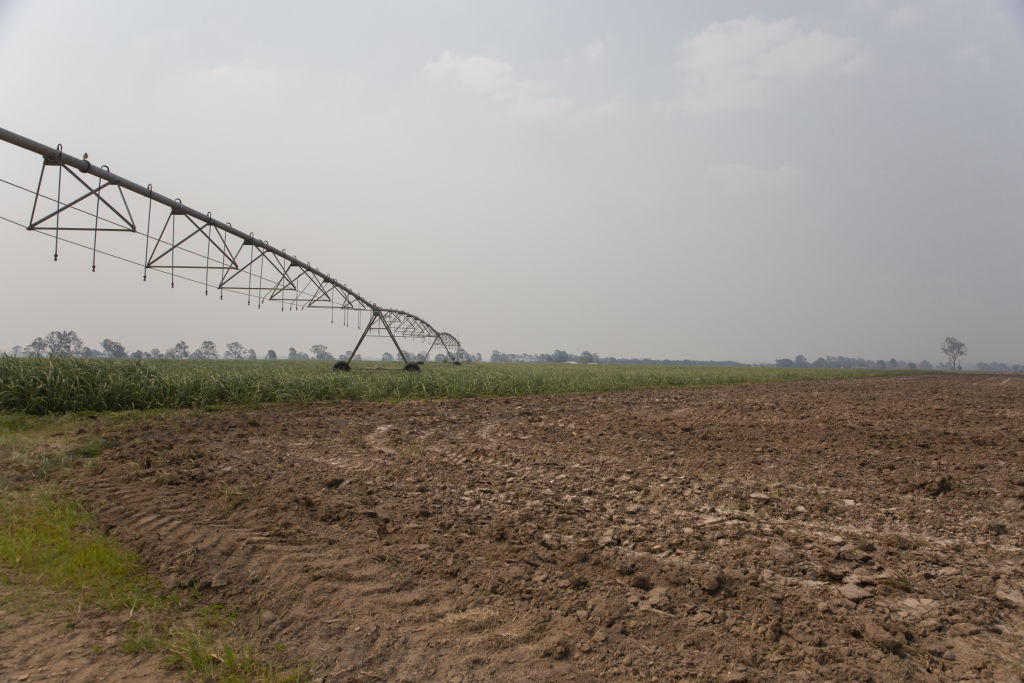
x=595, y=52
x=736, y=178
x=238, y=75
x=611, y=109
x=902, y=16
x=897, y=15
x=496, y=80
x=746, y=63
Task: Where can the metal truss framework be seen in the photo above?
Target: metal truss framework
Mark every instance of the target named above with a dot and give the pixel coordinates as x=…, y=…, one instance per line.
x=189, y=245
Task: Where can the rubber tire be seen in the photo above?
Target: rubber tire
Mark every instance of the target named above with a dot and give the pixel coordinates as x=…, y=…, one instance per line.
x=412, y=367
x=343, y=366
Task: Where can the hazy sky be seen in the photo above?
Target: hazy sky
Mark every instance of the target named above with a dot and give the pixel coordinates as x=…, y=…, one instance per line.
x=717, y=180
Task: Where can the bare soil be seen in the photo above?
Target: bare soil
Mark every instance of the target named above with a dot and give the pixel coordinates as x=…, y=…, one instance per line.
x=856, y=530
x=62, y=646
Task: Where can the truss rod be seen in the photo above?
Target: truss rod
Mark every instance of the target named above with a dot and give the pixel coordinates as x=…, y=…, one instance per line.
x=58, y=157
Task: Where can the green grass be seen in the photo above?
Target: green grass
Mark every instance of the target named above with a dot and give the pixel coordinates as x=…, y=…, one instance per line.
x=899, y=581
x=208, y=650
x=42, y=386
x=47, y=539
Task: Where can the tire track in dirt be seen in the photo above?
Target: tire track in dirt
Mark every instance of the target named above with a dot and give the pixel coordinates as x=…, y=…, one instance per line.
x=303, y=582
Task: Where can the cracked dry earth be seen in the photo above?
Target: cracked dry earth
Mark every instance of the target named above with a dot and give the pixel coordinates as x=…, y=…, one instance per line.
x=855, y=530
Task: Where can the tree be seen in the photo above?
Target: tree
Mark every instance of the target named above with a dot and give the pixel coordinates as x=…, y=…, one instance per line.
x=206, y=351
x=138, y=355
x=271, y=354
x=801, y=361
x=292, y=353
x=63, y=343
x=784, y=362
x=234, y=351
x=113, y=349
x=155, y=353
x=386, y=356
x=953, y=350
x=179, y=351
x=36, y=348
x=250, y=354
x=320, y=352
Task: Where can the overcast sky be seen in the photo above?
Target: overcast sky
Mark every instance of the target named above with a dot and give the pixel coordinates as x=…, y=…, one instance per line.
x=722, y=180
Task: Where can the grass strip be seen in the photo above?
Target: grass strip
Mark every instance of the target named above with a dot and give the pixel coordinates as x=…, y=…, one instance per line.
x=50, y=540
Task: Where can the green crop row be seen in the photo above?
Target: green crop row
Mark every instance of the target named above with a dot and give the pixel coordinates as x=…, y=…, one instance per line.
x=61, y=385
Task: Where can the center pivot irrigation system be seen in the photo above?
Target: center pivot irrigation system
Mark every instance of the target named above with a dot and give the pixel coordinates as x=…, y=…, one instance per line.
x=187, y=244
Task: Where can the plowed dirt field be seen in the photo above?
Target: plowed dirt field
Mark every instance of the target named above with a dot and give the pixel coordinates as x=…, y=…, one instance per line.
x=855, y=530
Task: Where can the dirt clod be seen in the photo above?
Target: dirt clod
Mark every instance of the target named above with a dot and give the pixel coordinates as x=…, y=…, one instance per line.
x=852, y=591
x=938, y=486
x=880, y=637
x=711, y=582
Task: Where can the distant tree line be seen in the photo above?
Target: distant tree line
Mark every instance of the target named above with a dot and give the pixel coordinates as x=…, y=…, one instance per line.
x=560, y=356
x=845, y=363
x=67, y=343
x=800, y=361
x=996, y=366
x=842, y=362
x=556, y=356
x=685, y=361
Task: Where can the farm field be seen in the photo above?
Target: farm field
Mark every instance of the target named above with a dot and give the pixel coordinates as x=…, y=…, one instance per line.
x=58, y=385
x=860, y=529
